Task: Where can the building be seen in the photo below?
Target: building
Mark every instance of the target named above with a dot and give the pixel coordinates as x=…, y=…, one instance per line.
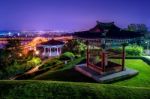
x=51, y=48
x=138, y=27
x=113, y=34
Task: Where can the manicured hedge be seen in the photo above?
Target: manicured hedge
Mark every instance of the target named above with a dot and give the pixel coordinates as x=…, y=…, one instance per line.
x=68, y=90
x=67, y=56
x=34, y=61
x=131, y=50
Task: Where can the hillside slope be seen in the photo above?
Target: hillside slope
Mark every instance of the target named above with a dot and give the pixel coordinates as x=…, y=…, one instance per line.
x=52, y=89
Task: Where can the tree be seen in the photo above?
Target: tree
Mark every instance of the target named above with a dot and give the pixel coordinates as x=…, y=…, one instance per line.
x=67, y=56
x=4, y=59
x=74, y=46
x=13, y=50
x=138, y=28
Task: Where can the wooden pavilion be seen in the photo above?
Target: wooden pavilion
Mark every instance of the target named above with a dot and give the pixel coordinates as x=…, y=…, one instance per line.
x=101, y=56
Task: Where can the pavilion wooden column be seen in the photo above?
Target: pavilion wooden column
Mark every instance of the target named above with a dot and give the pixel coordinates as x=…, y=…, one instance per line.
x=44, y=51
x=123, y=57
x=60, y=50
x=104, y=61
x=57, y=51
x=87, y=54
x=50, y=51
x=103, y=55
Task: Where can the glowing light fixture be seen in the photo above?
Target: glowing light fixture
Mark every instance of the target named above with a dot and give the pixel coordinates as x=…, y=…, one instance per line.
x=37, y=52
x=20, y=54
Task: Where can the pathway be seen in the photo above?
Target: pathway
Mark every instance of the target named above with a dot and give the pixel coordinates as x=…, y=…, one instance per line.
x=35, y=69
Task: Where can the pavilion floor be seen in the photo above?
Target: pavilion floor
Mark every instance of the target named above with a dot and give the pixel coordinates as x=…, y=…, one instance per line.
x=111, y=67
x=126, y=73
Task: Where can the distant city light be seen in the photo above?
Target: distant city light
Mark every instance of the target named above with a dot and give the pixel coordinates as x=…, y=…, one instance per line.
x=18, y=34
x=9, y=33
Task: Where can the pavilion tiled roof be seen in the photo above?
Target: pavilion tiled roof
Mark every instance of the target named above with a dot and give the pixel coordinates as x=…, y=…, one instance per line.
x=107, y=30
x=53, y=42
x=101, y=27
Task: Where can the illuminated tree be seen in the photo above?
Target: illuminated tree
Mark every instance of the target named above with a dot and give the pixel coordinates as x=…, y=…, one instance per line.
x=13, y=50
x=138, y=27
x=74, y=46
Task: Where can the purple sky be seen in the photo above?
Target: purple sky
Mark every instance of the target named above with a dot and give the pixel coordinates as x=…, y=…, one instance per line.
x=70, y=15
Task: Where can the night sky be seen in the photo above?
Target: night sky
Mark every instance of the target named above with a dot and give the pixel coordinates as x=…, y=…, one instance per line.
x=70, y=15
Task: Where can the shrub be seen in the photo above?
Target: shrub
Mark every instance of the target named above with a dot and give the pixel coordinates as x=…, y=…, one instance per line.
x=77, y=56
x=19, y=68
x=134, y=50
x=131, y=50
x=34, y=61
x=74, y=46
x=67, y=56
x=13, y=70
x=51, y=62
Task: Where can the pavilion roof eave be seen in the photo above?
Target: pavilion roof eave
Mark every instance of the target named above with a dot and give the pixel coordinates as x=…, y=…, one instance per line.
x=50, y=45
x=84, y=38
x=113, y=33
x=53, y=42
x=110, y=38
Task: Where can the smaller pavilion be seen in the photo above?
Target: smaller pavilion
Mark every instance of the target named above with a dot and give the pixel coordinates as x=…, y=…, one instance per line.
x=51, y=48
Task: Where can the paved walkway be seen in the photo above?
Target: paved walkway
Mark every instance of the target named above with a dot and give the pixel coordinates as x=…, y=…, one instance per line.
x=32, y=70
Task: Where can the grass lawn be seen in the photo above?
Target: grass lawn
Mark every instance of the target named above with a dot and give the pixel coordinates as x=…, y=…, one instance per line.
x=137, y=87
x=142, y=79
x=67, y=73
x=68, y=90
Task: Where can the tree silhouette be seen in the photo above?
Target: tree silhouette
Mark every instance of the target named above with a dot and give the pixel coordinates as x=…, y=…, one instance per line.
x=12, y=52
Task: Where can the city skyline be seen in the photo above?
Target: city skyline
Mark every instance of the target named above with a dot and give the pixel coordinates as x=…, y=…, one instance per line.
x=70, y=15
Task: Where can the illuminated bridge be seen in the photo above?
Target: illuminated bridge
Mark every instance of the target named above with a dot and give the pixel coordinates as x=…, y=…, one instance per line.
x=28, y=39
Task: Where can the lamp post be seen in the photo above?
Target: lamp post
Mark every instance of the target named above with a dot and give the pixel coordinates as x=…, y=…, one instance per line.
x=147, y=45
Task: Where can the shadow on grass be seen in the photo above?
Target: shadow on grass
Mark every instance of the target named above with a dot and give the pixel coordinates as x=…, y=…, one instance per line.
x=70, y=75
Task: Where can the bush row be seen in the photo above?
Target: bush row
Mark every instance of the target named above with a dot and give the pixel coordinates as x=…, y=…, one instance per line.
x=131, y=50
x=68, y=90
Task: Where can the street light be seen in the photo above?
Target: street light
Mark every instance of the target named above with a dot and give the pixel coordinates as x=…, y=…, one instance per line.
x=20, y=54
x=37, y=52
